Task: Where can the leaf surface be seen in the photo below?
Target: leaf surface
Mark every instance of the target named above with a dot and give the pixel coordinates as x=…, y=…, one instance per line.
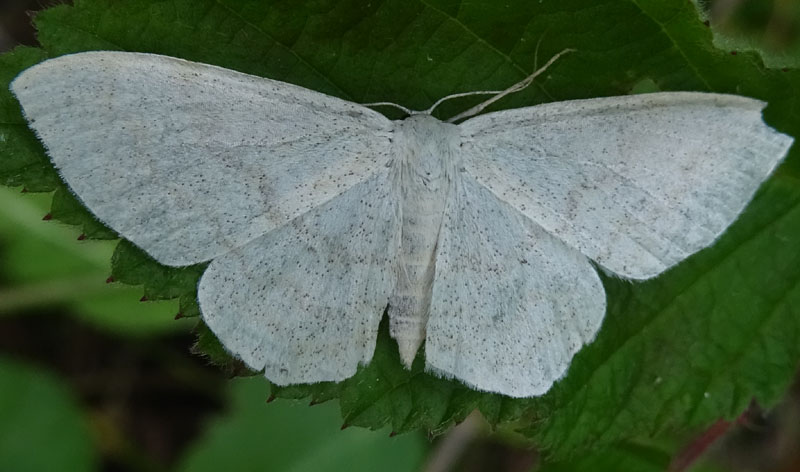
x=253, y=436
x=41, y=425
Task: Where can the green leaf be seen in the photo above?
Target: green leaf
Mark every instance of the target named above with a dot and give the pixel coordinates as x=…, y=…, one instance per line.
x=695, y=344
x=41, y=426
x=674, y=353
x=23, y=159
x=767, y=28
x=626, y=457
x=67, y=209
x=289, y=436
x=44, y=265
x=629, y=457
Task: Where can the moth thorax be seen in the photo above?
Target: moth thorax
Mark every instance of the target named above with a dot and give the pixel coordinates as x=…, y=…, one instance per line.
x=428, y=146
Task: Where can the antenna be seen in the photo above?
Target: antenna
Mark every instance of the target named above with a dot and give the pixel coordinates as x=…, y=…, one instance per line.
x=514, y=88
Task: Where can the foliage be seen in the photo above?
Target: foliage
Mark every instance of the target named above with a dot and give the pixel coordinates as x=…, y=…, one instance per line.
x=38, y=412
x=680, y=351
x=277, y=437
x=42, y=265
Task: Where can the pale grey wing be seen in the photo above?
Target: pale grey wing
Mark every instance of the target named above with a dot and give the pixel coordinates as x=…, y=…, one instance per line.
x=303, y=302
x=189, y=160
x=637, y=183
x=511, y=303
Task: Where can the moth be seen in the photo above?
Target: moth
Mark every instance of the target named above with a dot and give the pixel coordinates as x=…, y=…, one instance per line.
x=316, y=214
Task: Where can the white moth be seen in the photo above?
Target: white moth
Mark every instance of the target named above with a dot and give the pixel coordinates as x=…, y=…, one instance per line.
x=316, y=213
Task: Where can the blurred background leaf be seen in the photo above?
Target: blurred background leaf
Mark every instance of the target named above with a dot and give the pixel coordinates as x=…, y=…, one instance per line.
x=42, y=426
x=769, y=27
x=626, y=457
x=44, y=265
x=293, y=437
